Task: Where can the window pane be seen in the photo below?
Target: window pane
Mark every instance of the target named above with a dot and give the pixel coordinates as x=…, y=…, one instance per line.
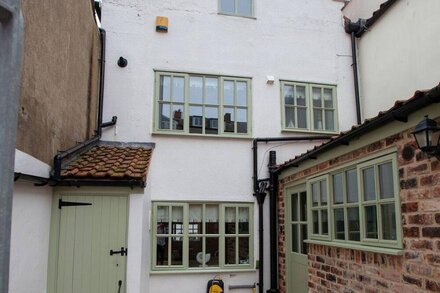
x=176, y=250
x=316, y=94
x=195, y=119
x=244, y=7
x=317, y=119
x=211, y=120
x=230, y=220
x=195, y=89
x=288, y=95
x=212, y=219
x=178, y=116
x=230, y=250
x=329, y=120
x=195, y=252
x=339, y=224
x=164, y=112
x=388, y=222
x=328, y=98
x=243, y=220
x=211, y=91
x=162, y=216
x=290, y=117
x=353, y=224
x=177, y=220
x=303, y=206
x=212, y=247
x=229, y=119
x=195, y=219
x=371, y=222
x=178, y=89
x=315, y=191
x=165, y=88
x=301, y=95
x=386, y=180
x=338, y=196
x=294, y=207
x=323, y=192
x=241, y=93
x=295, y=238
x=352, y=186
x=228, y=92
x=227, y=6
x=241, y=120
x=162, y=251
x=315, y=222
x=324, y=222
x=303, y=237
x=302, y=117
x=243, y=250
x=368, y=177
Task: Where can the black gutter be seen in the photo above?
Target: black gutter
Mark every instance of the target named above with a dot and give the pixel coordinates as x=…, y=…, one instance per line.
x=37, y=180
x=102, y=182
x=397, y=113
x=260, y=187
x=273, y=204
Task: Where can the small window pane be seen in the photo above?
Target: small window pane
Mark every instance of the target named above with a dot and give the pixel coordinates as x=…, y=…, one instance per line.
x=195, y=219
x=324, y=222
x=303, y=206
x=295, y=238
x=315, y=222
x=317, y=119
x=230, y=220
x=386, y=180
x=302, y=117
x=323, y=192
x=315, y=192
x=162, y=216
x=164, y=112
x=165, y=88
x=211, y=91
x=244, y=7
x=301, y=95
x=241, y=93
x=195, y=250
x=230, y=247
x=212, y=219
x=176, y=251
x=178, y=117
x=352, y=186
x=242, y=121
x=177, y=220
x=353, y=224
x=162, y=251
x=229, y=119
x=328, y=98
x=288, y=95
x=290, y=117
x=338, y=195
x=228, y=92
x=368, y=177
x=371, y=222
x=178, y=89
x=195, y=119
x=316, y=94
x=329, y=120
x=243, y=220
x=196, y=89
x=339, y=224
x=211, y=120
x=294, y=207
x=227, y=6
x=212, y=247
x=389, y=222
x=243, y=250
x=303, y=237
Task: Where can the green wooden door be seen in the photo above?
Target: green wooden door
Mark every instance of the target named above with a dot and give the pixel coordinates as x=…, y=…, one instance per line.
x=86, y=236
x=296, y=250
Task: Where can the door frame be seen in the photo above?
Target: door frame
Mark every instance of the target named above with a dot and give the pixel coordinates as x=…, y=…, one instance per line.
x=55, y=223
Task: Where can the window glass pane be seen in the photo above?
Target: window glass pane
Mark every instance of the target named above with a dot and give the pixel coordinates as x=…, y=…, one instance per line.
x=303, y=237
x=227, y=6
x=353, y=224
x=196, y=89
x=339, y=224
x=316, y=94
x=329, y=120
x=241, y=93
x=165, y=88
x=212, y=219
x=178, y=116
x=303, y=206
x=211, y=120
x=315, y=222
x=162, y=216
x=195, y=219
x=241, y=120
x=315, y=192
x=230, y=220
x=328, y=98
x=176, y=250
x=295, y=238
x=352, y=186
x=317, y=119
x=294, y=207
x=324, y=222
x=338, y=196
x=386, y=180
x=389, y=222
x=177, y=220
x=290, y=117
x=243, y=220
x=195, y=119
x=230, y=248
x=288, y=95
x=302, y=117
x=228, y=92
x=162, y=251
x=178, y=89
x=323, y=192
x=244, y=7
x=211, y=91
x=301, y=95
x=243, y=250
x=368, y=177
x=229, y=119
x=164, y=119
x=371, y=222
x=195, y=252
x=212, y=247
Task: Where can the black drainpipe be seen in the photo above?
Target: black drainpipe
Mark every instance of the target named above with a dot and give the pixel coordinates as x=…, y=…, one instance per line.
x=98, y=132
x=260, y=187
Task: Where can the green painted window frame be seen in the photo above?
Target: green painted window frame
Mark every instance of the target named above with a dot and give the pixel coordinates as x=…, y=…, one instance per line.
x=309, y=108
x=221, y=105
x=361, y=203
x=235, y=13
x=222, y=235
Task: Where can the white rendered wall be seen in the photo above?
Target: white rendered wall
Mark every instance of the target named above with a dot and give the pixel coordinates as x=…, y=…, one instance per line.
x=289, y=39
x=31, y=210
x=399, y=54
x=356, y=9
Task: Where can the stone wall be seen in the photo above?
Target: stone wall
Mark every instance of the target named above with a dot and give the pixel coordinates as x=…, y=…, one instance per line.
x=334, y=269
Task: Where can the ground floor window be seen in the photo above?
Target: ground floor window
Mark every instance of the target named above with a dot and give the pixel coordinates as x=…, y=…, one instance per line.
x=195, y=235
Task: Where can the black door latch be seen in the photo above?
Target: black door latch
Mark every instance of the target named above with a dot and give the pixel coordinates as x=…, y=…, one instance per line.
x=123, y=251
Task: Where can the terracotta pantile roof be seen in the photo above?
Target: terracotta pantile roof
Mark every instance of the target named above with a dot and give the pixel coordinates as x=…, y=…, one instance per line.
x=399, y=112
x=111, y=162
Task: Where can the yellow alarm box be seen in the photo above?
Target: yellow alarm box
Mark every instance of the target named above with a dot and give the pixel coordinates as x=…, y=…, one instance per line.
x=161, y=24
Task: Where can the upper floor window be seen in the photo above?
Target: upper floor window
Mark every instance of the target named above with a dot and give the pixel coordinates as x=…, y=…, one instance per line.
x=309, y=107
x=202, y=105
x=237, y=7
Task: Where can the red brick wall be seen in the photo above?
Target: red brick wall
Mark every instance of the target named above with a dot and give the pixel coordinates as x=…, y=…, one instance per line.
x=348, y=270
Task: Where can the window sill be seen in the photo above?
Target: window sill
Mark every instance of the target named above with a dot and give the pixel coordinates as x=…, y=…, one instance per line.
x=198, y=271
x=236, y=15
x=233, y=136
x=382, y=250
x=310, y=131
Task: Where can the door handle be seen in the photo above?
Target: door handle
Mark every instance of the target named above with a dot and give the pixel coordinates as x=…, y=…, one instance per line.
x=123, y=251
x=119, y=286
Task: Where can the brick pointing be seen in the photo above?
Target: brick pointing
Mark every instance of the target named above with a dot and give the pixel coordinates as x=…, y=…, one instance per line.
x=347, y=270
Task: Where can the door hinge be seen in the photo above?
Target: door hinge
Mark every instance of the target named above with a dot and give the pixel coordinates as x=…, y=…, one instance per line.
x=62, y=204
x=123, y=251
